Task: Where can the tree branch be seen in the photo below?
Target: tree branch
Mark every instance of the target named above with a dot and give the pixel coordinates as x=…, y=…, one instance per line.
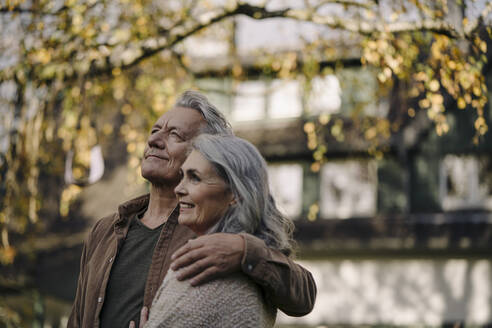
x=347, y=3
x=169, y=38
x=367, y=28
x=19, y=10
x=173, y=39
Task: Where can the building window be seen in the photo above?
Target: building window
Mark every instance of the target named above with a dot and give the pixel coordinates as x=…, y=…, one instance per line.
x=348, y=189
x=349, y=92
x=361, y=93
x=218, y=92
x=465, y=182
x=325, y=95
x=284, y=99
x=254, y=100
x=249, y=101
x=286, y=187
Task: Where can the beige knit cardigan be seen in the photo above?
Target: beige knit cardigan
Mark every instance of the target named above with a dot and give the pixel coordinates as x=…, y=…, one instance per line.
x=234, y=301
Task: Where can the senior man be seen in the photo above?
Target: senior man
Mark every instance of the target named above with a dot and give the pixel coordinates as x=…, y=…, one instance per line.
x=128, y=253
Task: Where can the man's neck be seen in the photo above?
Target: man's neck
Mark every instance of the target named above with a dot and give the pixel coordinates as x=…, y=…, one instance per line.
x=161, y=204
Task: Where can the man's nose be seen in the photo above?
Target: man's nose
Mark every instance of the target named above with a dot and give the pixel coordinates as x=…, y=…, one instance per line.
x=157, y=140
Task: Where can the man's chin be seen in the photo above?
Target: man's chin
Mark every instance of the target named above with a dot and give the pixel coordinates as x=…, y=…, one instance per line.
x=160, y=181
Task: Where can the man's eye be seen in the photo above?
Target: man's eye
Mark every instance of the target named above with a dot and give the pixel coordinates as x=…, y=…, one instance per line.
x=174, y=133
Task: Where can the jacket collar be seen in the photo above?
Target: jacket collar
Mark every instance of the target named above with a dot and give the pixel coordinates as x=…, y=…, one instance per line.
x=129, y=209
x=133, y=206
x=126, y=213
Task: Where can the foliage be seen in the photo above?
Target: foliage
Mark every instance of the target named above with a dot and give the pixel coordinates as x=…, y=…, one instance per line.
x=78, y=72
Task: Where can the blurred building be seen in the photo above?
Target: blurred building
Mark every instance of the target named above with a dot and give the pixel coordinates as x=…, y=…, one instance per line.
x=402, y=239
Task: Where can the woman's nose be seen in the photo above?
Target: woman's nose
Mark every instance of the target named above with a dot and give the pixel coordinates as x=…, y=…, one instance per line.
x=180, y=190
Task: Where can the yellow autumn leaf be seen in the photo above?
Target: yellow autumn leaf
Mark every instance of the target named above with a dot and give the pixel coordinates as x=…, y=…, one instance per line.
x=126, y=109
x=131, y=147
x=313, y=211
x=436, y=99
x=336, y=130
x=479, y=122
x=116, y=71
x=107, y=129
x=309, y=127
x=483, y=46
x=461, y=103
x=312, y=144
x=7, y=255
x=370, y=133
x=414, y=92
x=141, y=21
x=434, y=85
x=424, y=103
x=134, y=162
x=315, y=167
x=369, y=14
x=318, y=155
x=324, y=118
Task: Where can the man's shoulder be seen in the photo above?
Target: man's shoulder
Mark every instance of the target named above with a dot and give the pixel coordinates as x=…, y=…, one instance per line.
x=106, y=223
x=103, y=228
x=125, y=211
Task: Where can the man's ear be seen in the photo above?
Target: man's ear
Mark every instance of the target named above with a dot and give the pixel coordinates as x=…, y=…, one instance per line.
x=233, y=201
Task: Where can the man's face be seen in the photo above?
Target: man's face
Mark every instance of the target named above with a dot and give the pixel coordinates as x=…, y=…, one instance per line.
x=167, y=145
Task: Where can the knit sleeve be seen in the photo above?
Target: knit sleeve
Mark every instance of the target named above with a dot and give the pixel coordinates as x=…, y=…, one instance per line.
x=234, y=301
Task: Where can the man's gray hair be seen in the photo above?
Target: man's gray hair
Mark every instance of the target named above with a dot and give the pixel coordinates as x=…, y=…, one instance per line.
x=216, y=123
x=244, y=170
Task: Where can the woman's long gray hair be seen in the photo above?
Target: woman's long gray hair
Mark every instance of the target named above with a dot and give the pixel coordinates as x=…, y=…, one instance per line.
x=243, y=168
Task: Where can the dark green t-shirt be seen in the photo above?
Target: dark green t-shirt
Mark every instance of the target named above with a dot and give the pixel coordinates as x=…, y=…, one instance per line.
x=126, y=285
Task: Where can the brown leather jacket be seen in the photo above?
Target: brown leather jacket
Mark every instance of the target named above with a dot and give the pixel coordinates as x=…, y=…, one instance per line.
x=287, y=285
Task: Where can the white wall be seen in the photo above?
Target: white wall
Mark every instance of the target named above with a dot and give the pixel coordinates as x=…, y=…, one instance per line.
x=399, y=292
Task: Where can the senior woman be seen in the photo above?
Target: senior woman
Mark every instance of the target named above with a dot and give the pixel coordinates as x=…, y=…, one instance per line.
x=224, y=188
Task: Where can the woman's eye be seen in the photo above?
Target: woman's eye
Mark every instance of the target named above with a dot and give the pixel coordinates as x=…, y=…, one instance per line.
x=194, y=178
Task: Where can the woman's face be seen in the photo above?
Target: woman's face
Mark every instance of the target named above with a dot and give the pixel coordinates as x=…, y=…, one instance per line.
x=202, y=194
